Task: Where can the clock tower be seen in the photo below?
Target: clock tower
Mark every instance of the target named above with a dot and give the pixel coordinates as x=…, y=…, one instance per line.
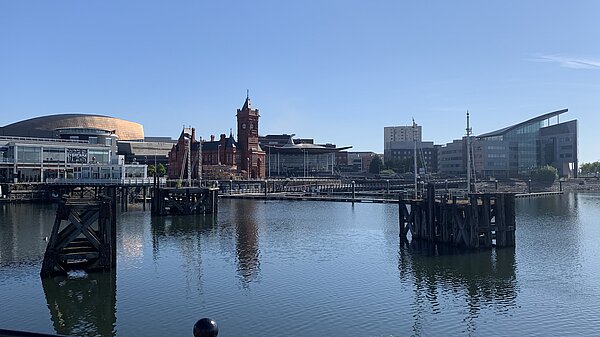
x=251, y=156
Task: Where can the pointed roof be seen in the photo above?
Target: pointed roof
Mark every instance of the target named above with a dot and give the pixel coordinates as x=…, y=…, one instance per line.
x=247, y=104
x=231, y=142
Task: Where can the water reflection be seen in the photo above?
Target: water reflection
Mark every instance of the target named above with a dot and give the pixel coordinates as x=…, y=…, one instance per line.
x=185, y=229
x=484, y=279
x=184, y=233
x=84, y=305
x=247, y=249
x=559, y=205
x=22, y=232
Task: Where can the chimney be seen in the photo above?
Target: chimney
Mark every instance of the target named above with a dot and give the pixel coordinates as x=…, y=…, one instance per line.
x=212, y=138
x=193, y=134
x=222, y=139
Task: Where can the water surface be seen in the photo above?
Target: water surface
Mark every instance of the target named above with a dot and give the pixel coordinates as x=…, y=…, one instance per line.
x=310, y=269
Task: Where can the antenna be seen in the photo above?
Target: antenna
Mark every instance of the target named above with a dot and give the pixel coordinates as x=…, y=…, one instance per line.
x=469, y=130
x=414, y=127
x=247, y=93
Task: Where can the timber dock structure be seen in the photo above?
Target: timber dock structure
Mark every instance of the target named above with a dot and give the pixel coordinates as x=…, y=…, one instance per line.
x=83, y=236
x=184, y=200
x=482, y=220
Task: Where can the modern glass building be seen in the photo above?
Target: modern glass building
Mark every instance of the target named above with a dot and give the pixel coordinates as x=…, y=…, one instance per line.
x=287, y=157
x=516, y=150
x=24, y=159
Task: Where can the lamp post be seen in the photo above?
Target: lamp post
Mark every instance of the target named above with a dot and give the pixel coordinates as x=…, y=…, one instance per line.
x=219, y=154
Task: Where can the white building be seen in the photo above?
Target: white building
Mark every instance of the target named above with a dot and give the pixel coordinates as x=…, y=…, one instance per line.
x=404, y=133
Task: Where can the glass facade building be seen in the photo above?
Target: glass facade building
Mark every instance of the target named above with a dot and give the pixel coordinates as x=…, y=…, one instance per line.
x=516, y=150
x=39, y=159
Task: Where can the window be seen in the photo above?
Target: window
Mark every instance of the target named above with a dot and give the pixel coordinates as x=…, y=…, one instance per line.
x=54, y=155
x=29, y=154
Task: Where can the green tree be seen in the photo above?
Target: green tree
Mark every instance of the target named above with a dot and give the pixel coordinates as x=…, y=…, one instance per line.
x=588, y=168
x=402, y=165
x=161, y=170
x=151, y=170
x=375, y=165
x=544, y=175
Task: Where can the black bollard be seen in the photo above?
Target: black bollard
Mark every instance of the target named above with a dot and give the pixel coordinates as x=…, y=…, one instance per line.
x=206, y=327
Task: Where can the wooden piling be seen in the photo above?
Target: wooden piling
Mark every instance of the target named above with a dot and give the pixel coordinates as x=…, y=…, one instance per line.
x=474, y=222
x=83, y=237
x=193, y=200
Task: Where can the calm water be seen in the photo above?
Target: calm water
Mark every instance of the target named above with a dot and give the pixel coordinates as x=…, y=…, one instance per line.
x=310, y=269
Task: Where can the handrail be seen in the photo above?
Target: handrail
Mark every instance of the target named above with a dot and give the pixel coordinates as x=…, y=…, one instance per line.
x=125, y=181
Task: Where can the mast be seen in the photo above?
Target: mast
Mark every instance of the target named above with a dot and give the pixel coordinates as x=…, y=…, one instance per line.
x=468, y=154
x=414, y=126
x=188, y=150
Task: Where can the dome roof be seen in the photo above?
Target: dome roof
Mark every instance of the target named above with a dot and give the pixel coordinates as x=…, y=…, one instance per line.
x=46, y=126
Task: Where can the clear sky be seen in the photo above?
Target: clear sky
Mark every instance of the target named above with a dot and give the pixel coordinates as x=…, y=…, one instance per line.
x=336, y=71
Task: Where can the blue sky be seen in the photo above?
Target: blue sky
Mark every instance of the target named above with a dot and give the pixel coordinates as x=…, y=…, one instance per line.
x=336, y=71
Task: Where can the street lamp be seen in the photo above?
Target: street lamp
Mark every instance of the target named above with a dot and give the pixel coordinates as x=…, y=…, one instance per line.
x=219, y=154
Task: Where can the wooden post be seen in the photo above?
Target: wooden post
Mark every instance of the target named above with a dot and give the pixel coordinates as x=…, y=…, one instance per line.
x=144, y=198
x=509, y=218
x=500, y=221
x=473, y=221
x=430, y=211
x=485, y=220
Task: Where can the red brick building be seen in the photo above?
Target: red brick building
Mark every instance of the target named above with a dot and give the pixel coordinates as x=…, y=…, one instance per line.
x=244, y=156
x=185, y=153
x=220, y=152
x=251, y=156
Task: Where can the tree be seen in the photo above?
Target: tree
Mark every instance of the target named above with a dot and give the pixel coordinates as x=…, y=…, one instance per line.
x=403, y=165
x=590, y=168
x=375, y=165
x=151, y=170
x=161, y=170
x=544, y=175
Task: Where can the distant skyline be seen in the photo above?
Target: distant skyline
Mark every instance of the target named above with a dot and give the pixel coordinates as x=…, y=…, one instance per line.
x=335, y=71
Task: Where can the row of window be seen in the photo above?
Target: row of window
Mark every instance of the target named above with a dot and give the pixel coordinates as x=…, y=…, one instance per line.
x=36, y=155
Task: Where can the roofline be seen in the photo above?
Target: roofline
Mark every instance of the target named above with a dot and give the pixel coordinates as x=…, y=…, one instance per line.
x=534, y=119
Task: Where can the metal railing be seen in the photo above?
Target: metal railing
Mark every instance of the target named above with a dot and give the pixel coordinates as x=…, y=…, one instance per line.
x=90, y=181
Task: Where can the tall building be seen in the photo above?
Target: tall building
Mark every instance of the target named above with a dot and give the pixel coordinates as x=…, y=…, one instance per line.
x=251, y=155
x=516, y=150
x=452, y=158
x=405, y=133
x=427, y=155
x=399, y=143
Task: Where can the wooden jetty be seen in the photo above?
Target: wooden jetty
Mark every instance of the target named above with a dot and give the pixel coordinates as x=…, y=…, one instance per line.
x=482, y=220
x=83, y=236
x=185, y=200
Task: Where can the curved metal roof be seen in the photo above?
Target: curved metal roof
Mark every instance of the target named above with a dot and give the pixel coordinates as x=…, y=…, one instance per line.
x=540, y=118
x=46, y=126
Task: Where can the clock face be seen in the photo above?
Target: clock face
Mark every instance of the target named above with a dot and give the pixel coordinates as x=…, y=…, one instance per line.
x=243, y=125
